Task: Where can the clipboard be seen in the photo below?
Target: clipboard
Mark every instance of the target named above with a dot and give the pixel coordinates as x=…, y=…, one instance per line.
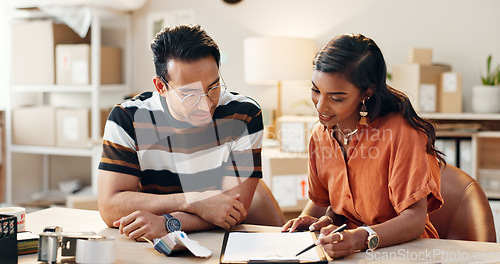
x=318, y=250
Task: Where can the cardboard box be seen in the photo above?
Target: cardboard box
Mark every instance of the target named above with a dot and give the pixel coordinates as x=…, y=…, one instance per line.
x=73, y=127
x=294, y=132
x=286, y=175
x=33, y=49
x=450, y=94
x=420, y=56
x=421, y=83
x=34, y=126
x=85, y=202
x=73, y=62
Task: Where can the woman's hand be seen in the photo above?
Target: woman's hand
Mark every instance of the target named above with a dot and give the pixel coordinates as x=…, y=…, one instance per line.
x=302, y=222
x=305, y=222
x=323, y=221
x=340, y=244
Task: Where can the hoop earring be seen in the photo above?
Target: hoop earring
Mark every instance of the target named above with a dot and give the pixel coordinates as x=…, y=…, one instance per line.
x=363, y=112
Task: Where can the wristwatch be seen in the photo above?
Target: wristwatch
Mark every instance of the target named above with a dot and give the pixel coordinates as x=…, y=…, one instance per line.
x=372, y=240
x=172, y=224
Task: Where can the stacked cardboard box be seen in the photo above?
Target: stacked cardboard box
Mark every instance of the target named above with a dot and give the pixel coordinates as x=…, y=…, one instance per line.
x=430, y=87
x=286, y=174
x=33, y=47
x=73, y=62
x=50, y=126
x=48, y=53
x=73, y=128
x=450, y=96
x=294, y=132
x=34, y=126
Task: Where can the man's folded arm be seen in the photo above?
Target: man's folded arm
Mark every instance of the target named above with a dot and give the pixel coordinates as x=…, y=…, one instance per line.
x=118, y=197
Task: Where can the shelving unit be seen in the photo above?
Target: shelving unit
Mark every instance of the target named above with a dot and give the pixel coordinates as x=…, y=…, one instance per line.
x=485, y=146
x=461, y=116
x=484, y=154
x=95, y=89
x=68, y=88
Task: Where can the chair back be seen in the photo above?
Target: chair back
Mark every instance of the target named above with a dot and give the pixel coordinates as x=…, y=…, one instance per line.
x=264, y=209
x=466, y=213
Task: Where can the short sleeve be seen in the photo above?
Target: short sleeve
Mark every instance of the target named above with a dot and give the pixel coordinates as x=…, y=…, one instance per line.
x=119, y=147
x=247, y=148
x=318, y=190
x=414, y=174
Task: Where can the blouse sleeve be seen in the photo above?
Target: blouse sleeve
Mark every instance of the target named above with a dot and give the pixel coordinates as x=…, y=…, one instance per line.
x=318, y=191
x=414, y=174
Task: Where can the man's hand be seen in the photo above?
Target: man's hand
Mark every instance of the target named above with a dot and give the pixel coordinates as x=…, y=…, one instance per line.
x=142, y=224
x=219, y=208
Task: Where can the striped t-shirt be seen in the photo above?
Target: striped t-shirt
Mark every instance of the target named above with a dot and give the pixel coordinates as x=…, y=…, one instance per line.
x=141, y=138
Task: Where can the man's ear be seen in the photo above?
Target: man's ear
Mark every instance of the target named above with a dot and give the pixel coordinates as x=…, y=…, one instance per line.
x=159, y=85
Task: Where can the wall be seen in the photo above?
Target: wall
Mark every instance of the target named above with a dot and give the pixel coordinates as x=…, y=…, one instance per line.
x=4, y=53
x=460, y=34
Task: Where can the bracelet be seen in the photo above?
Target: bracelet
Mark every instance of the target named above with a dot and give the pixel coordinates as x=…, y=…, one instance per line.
x=326, y=217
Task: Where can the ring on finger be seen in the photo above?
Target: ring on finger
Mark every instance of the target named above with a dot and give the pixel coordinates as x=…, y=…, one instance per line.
x=341, y=237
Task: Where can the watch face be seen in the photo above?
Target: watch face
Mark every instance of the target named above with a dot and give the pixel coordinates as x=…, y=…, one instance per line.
x=373, y=242
x=173, y=224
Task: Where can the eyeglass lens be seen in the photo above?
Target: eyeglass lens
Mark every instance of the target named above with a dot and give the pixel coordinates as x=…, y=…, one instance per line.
x=213, y=93
x=191, y=100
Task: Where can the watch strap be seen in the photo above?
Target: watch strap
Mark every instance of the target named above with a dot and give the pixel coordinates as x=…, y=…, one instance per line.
x=167, y=216
x=372, y=239
x=368, y=229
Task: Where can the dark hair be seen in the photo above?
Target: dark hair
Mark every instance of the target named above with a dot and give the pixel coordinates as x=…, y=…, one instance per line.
x=361, y=62
x=184, y=42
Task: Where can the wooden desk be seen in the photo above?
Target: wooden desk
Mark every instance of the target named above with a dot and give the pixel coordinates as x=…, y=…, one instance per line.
x=129, y=251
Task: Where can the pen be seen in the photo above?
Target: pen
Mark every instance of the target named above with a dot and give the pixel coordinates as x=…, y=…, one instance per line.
x=338, y=229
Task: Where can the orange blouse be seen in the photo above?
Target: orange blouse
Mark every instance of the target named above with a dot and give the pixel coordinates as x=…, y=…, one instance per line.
x=388, y=170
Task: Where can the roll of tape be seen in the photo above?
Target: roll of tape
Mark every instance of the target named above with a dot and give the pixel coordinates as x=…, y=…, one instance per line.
x=98, y=251
x=18, y=212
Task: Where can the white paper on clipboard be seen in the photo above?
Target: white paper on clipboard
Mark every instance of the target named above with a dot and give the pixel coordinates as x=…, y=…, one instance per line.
x=248, y=246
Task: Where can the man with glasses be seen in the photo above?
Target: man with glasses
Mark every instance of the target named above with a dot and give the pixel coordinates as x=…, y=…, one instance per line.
x=186, y=156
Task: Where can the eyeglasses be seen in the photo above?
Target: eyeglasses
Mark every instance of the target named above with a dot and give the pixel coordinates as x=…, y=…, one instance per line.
x=193, y=99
